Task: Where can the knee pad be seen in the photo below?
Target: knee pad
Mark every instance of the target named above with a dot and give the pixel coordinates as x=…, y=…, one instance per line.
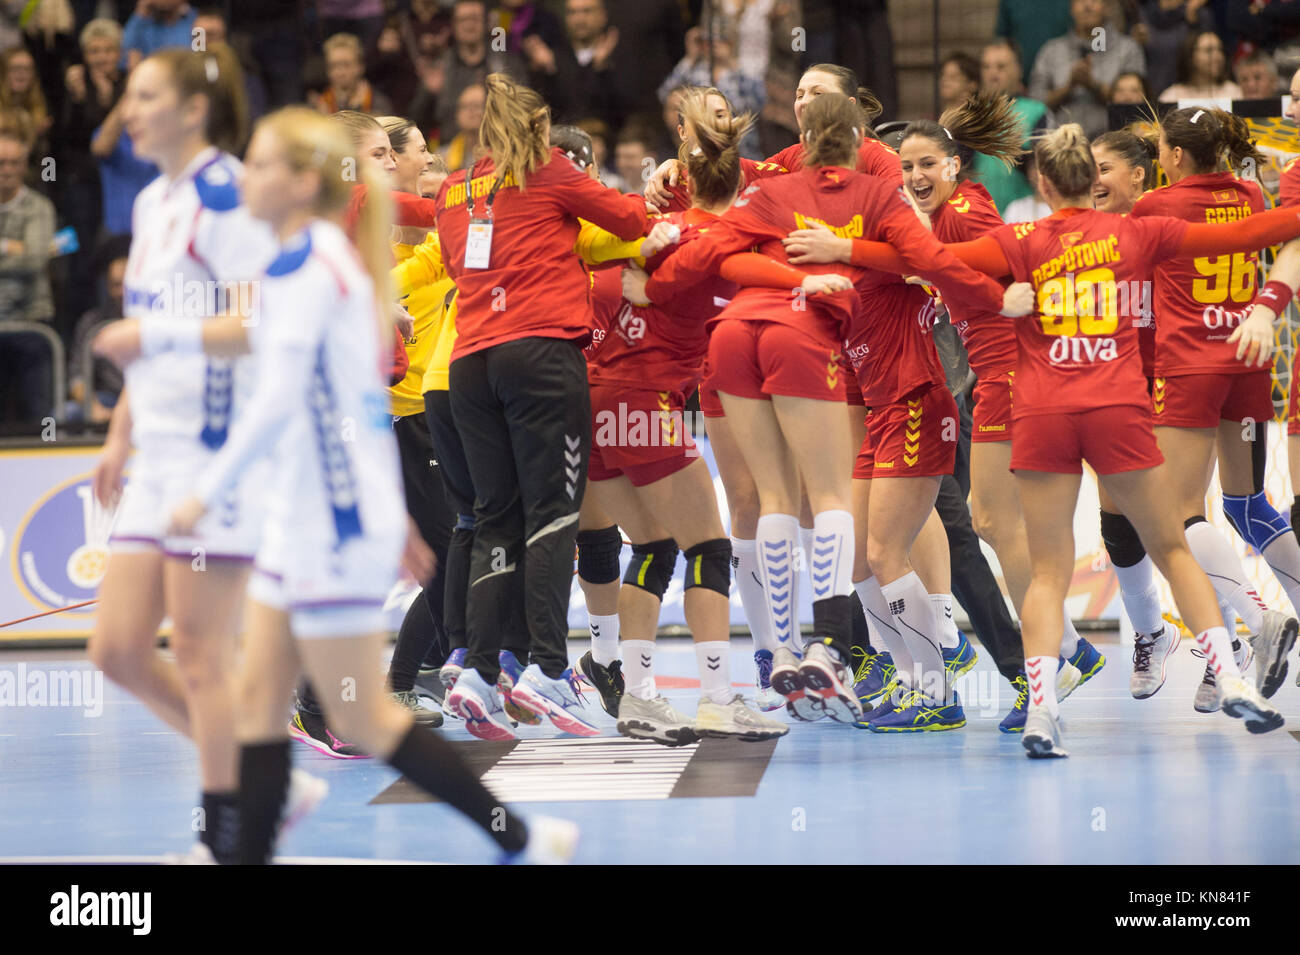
x=1254, y=519
x=1121, y=540
x=598, y=552
x=652, y=566
x=708, y=565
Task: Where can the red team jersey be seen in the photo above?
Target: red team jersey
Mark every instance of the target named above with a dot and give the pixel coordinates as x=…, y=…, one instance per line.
x=874, y=158
x=750, y=172
x=1199, y=302
x=658, y=348
x=989, y=337
x=1079, y=350
x=1288, y=193
x=534, y=284
x=606, y=300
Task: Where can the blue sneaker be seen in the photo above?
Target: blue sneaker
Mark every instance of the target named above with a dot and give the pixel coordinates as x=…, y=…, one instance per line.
x=960, y=658
x=915, y=714
x=452, y=667
x=479, y=705
x=767, y=698
x=558, y=700
x=1088, y=660
x=885, y=703
x=1014, y=722
x=875, y=672
x=511, y=670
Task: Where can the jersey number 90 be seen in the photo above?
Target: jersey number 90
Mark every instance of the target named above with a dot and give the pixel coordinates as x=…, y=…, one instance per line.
x=1082, y=304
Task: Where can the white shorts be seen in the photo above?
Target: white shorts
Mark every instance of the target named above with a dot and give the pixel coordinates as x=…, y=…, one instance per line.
x=230, y=530
x=327, y=592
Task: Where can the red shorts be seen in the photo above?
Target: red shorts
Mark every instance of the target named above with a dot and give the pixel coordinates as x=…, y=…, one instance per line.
x=992, y=414
x=865, y=463
x=638, y=432
x=757, y=359
x=710, y=403
x=916, y=437
x=1202, y=401
x=852, y=390
x=1111, y=439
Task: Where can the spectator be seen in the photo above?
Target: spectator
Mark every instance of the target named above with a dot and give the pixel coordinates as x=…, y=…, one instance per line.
x=633, y=159
x=598, y=131
x=1163, y=27
x=1073, y=73
x=524, y=21
x=26, y=230
x=1202, y=70
x=103, y=378
x=1000, y=72
x=1269, y=25
x=345, y=64
x=156, y=25
x=1028, y=208
x=210, y=28
x=11, y=33
x=654, y=35
x=358, y=18
x=50, y=39
x=459, y=152
x=267, y=33
x=426, y=32
x=1031, y=23
x=20, y=93
x=1258, y=77
x=121, y=174
x=578, y=78
x=466, y=63
x=1130, y=89
x=777, y=127
x=745, y=92
x=959, y=77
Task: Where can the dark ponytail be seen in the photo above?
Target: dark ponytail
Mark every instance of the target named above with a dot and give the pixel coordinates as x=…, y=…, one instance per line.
x=985, y=123
x=1211, y=137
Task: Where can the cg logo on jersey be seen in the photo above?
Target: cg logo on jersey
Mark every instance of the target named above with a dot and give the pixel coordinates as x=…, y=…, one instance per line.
x=60, y=549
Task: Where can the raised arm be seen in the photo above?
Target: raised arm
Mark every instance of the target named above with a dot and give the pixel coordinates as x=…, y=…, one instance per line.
x=1245, y=235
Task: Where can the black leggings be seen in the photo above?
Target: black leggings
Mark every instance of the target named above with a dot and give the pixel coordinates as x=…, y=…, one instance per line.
x=523, y=410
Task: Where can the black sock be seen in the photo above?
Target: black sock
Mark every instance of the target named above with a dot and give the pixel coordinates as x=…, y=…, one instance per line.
x=416, y=638
x=263, y=785
x=431, y=763
x=832, y=618
x=221, y=825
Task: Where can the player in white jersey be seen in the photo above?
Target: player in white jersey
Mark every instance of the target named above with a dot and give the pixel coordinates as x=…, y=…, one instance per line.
x=193, y=250
x=337, y=523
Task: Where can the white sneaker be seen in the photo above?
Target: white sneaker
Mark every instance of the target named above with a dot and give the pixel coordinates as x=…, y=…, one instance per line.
x=788, y=682
x=735, y=720
x=551, y=841
x=1151, y=653
x=1042, y=735
x=829, y=681
x=1242, y=701
x=1273, y=642
x=1207, y=693
x=767, y=700
x=1068, y=678
x=654, y=720
x=306, y=792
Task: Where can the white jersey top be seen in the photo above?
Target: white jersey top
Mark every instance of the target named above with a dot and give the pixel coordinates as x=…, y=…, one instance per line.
x=194, y=248
x=321, y=400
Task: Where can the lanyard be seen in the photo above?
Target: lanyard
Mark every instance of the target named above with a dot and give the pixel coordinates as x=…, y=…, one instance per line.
x=469, y=192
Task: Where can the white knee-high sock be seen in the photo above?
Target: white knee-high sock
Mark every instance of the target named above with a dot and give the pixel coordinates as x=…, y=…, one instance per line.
x=909, y=604
x=604, y=637
x=1040, y=673
x=881, y=624
x=639, y=669
x=1283, y=557
x=948, y=635
x=831, y=558
x=778, y=540
x=1217, y=647
x=1227, y=575
x=1141, y=596
x=1229, y=617
x=744, y=562
x=1070, y=638
x=714, y=660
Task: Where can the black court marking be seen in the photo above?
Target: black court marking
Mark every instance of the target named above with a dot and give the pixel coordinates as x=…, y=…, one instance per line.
x=605, y=769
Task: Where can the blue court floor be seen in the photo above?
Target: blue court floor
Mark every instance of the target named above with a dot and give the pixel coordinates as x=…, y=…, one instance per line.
x=1142, y=784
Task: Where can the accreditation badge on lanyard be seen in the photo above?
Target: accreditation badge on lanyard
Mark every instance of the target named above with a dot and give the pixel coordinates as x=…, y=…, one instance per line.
x=478, y=240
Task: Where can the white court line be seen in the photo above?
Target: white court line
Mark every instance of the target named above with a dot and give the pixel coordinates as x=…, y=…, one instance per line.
x=161, y=860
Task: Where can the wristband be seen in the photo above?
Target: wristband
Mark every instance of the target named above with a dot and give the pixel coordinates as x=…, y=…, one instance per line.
x=1274, y=295
x=158, y=335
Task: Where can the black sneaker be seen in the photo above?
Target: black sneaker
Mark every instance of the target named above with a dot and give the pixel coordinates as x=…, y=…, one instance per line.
x=429, y=683
x=409, y=700
x=311, y=729
x=608, y=681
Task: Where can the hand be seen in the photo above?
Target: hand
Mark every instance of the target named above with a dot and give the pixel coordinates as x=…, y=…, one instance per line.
x=817, y=284
x=404, y=323
x=634, y=280
x=119, y=342
x=1019, y=299
x=107, y=478
x=816, y=244
x=417, y=558
x=667, y=174
x=434, y=78
x=75, y=80
x=1254, y=337
x=185, y=516
x=1081, y=74
x=540, y=56
x=604, y=48
x=661, y=236
x=103, y=86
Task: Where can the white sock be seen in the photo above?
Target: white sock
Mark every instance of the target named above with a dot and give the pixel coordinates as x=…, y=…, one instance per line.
x=1141, y=596
x=881, y=624
x=806, y=548
x=1223, y=568
x=744, y=563
x=714, y=659
x=604, y=637
x=909, y=605
x=1229, y=617
x=948, y=635
x=777, y=540
x=1041, y=675
x=639, y=669
x=1217, y=647
x=1283, y=556
x=831, y=558
x=1069, y=639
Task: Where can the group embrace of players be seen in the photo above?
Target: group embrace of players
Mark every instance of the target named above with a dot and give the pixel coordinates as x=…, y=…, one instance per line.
x=553, y=332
